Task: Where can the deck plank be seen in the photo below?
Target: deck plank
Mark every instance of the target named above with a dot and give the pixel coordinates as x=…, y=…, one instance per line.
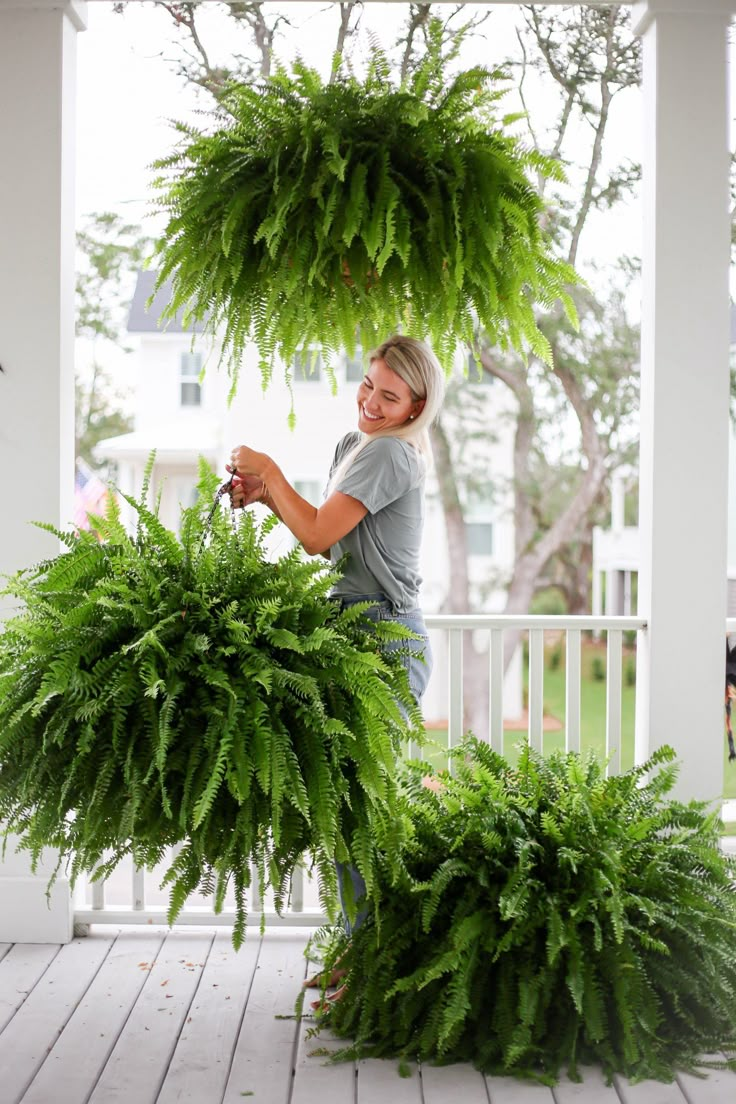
x=719, y=1087
x=648, y=1092
x=75, y=1063
x=316, y=1081
x=36, y=1026
x=592, y=1090
x=264, y=1053
x=4, y=948
x=201, y=1064
x=512, y=1090
x=462, y=1082
x=379, y=1083
x=20, y=970
x=137, y=1066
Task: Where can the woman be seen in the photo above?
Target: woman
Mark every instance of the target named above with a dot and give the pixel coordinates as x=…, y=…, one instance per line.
x=374, y=503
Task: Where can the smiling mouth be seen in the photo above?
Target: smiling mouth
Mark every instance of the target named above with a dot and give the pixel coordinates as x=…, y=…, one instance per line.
x=370, y=417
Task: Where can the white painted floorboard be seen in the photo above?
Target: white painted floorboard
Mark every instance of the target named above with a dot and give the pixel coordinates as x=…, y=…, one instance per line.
x=30, y=1036
x=263, y=1061
x=148, y=1016
x=136, y=1069
x=76, y=1062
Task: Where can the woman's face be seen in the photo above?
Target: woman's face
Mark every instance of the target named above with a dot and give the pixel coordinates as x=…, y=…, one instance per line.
x=384, y=399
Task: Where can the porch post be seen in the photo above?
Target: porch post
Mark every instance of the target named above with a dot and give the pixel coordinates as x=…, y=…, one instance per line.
x=685, y=384
x=37, y=93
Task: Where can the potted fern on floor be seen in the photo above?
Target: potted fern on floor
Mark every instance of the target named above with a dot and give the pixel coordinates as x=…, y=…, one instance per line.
x=548, y=916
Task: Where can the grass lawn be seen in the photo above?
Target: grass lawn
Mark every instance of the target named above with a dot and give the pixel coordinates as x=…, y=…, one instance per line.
x=592, y=718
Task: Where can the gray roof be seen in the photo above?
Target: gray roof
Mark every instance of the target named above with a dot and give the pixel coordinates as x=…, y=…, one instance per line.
x=143, y=319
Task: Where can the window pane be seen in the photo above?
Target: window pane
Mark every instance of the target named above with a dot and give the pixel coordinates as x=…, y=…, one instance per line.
x=354, y=367
x=191, y=365
x=480, y=538
x=311, y=489
x=191, y=394
x=308, y=365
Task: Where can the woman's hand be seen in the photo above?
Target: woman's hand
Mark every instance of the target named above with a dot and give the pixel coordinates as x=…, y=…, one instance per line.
x=246, y=490
x=246, y=461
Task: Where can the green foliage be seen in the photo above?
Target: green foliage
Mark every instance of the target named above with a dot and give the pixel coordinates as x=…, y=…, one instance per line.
x=548, y=916
x=157, y=692
x=554, y=657
x=598, y=668
x=312, y=209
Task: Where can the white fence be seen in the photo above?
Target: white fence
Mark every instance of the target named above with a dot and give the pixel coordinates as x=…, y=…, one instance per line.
x=132, y=896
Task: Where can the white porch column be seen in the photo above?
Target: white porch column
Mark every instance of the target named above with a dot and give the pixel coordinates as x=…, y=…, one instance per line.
x=37, y=93
x=685, y=377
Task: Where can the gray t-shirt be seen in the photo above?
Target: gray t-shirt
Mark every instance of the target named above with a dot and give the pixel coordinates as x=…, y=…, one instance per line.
x=387, y=476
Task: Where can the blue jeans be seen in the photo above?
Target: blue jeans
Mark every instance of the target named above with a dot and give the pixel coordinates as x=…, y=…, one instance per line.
x=418, y=668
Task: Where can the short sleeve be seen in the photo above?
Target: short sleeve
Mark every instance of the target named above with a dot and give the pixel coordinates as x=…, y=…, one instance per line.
x=382, y=472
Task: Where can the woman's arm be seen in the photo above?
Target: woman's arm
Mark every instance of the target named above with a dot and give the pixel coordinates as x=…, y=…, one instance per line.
x=316, y=528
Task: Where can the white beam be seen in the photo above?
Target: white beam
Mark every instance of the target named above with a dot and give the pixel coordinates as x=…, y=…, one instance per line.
x=685, y=386
x=547, y=3
x=37, y=91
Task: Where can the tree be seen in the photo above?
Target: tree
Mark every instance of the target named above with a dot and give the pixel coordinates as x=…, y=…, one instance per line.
x=591, y=57
x=109, y=252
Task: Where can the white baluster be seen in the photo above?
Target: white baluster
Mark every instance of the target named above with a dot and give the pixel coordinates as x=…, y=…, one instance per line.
x=495, y=676
x=455, y=696
x=536, y=688
x=139, y=889
x=296, y=896
x=572, y=690
x=613, y=700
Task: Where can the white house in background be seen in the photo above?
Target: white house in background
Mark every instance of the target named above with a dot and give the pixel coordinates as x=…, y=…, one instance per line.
x=617, y=551
x=183, y=419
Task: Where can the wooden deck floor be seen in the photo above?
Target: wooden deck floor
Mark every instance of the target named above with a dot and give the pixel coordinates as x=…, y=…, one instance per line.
x=143, y=1016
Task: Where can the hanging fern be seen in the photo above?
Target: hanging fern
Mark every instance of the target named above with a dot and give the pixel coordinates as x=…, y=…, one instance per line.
x=548, y=916
x=312, y=209
x=156, y=692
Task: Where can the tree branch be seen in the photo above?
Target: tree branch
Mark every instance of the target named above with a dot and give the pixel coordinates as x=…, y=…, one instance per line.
x=597, y=151
x=344, y=31
x=418, y=17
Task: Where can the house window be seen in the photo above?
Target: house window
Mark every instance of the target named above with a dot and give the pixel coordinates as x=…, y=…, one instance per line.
x=478, y=523
x=354, y=366
x=190, y=389
x=480, y=538
x=311, y=489
x=308, y=365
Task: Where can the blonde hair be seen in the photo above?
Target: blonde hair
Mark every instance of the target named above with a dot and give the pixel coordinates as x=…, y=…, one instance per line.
x=414, y=362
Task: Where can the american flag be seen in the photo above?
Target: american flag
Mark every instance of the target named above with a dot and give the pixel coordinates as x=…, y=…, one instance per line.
x=90, y=494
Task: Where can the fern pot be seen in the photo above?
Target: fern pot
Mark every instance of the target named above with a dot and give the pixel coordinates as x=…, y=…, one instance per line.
x=309, y=211
x=549, y=916
x=158, y=691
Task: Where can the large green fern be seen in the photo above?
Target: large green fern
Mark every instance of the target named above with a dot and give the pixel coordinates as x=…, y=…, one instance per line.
x=548, y=916
x=312, y=209
x=157, y=691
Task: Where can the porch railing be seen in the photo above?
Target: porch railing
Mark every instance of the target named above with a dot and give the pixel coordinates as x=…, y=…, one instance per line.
x=133, y=897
